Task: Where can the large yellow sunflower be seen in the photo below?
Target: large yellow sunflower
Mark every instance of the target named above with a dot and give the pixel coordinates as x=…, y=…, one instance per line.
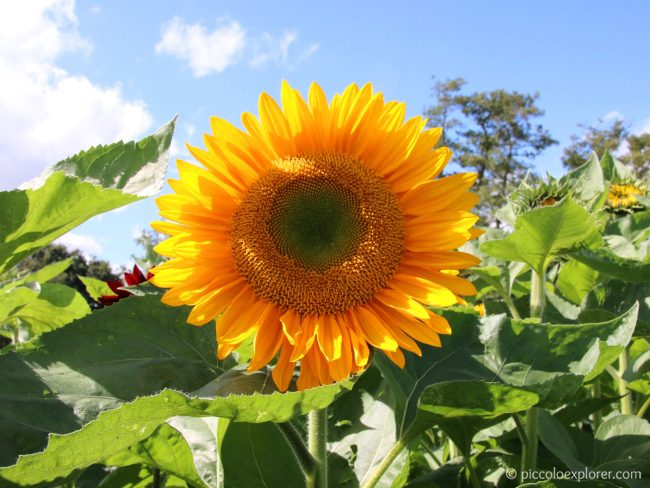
x=320, y=230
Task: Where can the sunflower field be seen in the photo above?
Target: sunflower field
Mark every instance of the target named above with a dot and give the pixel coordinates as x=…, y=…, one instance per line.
x=326, y=310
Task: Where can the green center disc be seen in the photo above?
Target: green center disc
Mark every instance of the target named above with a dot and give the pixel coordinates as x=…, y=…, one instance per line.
x=316, y=222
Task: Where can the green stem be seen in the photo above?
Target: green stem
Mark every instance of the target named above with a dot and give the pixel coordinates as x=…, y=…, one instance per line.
x=521, y=431
x=305, y=459
x=626, y=399
x=529, y=451
x=399, y=446
x=511, y=307
x=643, y=408
x=476, y=483
x=537, y=305
x=596, y=393
x=156, y=478
x=537, y=296
x=317, y=444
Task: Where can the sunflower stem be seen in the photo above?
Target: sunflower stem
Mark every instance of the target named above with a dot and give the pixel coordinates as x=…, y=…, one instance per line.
x=305, y=459
x=473, y=476
x=537, y=305
x=317, y=445
x=529, y=451
x=626, y=398
x=537, y=296
x=511, y=307
x=643, y=408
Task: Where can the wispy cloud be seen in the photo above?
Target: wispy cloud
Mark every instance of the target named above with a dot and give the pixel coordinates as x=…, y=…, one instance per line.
x=204, y=51
x=207, y=52
x=270, y=48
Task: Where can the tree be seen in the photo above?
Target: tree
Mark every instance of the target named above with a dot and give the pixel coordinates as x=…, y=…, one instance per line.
x=596, y=139
x=638, y=155
x=495, y=136
x=441, y=114
x=80, y=266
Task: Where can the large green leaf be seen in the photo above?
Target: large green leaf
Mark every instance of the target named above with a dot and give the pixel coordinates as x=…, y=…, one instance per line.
x=137, y=168
x=635, y=227
x=549, y=360
x=552, y=360
x=11, y=302
x=117, y=429
x=587, y=182
x=65, y=378
x=621, y=443
x=72, y=191
x=463, y=408
x=55, y=306
x=556, y=439
x=167, y=450
x=613, y=170
x=544, y=233
x=576, y=280
x=361, y=432
x=608, y=263
x=259, y=456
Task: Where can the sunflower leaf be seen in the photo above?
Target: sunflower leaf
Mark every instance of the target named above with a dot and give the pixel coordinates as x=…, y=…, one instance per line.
x=95, y=385
x=252, y=455
x=65, y=378
x=70, y=192
x=119, y=428
x=544, y=233
x=96, y=288
x=362, y=430
x=608, y=263
x=463, y=408
x=496, y=349
x=55, y=306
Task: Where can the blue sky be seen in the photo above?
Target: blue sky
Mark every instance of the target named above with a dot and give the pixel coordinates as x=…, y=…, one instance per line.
x=130, y=66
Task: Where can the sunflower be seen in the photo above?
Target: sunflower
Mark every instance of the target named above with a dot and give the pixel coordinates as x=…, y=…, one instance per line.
x=623, y=195
x=319, y=233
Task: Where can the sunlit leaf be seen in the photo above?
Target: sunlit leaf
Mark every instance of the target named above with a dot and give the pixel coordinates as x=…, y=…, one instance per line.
x=462, y=408
x=544, y=233
x=606, y=262
x=72, y=191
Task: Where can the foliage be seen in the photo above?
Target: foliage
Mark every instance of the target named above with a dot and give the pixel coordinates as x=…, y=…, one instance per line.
x=130, y=395
x=79, y=266
x=615, y=137
x=493, y=133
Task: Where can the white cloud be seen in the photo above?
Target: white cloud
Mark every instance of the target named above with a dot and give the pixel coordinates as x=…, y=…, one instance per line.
x=207, y=52
x=88, y=245
x=612, y=116
x=47, y=113
x=204, y=51
x=270, y=48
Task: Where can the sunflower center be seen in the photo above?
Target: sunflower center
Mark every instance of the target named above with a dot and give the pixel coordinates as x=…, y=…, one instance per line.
x=319, y=233
x=316, y=222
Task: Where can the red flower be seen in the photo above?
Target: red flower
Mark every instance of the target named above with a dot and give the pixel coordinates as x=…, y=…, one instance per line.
x=130, y=279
